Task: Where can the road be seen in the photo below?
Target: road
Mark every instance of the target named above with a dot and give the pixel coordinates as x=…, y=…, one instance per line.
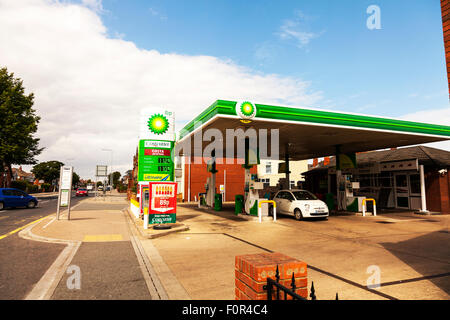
x=24, y=262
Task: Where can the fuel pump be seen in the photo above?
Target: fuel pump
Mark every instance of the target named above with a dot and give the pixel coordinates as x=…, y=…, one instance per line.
x=352, y=203
x=252, y=188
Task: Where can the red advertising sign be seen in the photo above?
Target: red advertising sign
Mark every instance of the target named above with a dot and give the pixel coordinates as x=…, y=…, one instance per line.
x=163, y=202
x=157, y=152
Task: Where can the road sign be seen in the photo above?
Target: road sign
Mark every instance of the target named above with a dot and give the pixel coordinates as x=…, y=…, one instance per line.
x=101, y=171
x=65, y=189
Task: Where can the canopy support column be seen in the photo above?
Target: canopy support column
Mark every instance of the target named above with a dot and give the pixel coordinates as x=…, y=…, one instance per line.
x=286, y=160
x=422, y=190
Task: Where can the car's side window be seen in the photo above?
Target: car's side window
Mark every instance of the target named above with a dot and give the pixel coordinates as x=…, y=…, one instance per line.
x=7, y=193
x=18, y=193
x=289, y=196
x=279, y=195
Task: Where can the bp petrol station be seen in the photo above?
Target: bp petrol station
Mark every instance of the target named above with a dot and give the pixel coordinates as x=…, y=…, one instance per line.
x=302, y=134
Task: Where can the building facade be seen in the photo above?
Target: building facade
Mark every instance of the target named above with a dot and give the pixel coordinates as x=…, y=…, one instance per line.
x=392, y=178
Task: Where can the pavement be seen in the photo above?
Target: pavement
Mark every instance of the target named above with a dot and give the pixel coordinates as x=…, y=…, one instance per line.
x=24, y=262
x=101, y=260
x=117, y=262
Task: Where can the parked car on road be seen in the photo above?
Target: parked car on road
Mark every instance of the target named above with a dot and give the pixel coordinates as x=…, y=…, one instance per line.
x=11, y=197
x=300, y=204
x=81, y=192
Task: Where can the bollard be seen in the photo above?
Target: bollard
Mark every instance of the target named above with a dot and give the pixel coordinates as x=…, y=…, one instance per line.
x=145, y=218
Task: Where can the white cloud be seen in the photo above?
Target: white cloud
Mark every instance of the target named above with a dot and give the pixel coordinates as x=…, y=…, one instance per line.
x=95, y=5
x=294, y=29
x=435, y=116
x=89, y=88
x=158, y=14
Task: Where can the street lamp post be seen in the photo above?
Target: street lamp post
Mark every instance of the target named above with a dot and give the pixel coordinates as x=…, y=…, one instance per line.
x=111, y=170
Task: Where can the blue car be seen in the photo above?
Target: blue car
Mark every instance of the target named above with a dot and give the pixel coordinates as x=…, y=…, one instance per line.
x=10, y=197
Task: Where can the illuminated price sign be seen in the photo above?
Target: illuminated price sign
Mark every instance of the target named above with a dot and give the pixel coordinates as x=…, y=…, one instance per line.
x=155, y=160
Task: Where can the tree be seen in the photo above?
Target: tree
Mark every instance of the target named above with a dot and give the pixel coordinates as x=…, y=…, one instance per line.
x=75, y=178
x=99, y=183
x=47, y=171
x=116, y=177
x=18, y=123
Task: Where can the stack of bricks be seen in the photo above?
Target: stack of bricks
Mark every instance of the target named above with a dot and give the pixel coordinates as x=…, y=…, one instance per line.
x=252, y=271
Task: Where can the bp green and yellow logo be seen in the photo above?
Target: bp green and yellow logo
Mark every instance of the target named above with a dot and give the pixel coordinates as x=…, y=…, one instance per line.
x=158, y=124
x=246, y=110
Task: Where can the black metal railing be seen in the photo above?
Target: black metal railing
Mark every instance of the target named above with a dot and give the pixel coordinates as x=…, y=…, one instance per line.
x=282, y=290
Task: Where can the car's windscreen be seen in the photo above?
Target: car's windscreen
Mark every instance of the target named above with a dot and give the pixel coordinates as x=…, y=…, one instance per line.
x=304, y=195
x=82, y=190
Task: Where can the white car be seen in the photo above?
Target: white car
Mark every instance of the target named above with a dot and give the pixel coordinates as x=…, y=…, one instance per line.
x=300, y=204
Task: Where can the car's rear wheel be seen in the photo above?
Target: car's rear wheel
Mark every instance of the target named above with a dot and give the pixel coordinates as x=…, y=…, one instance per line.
x=31, y=204
x=298, y=214
x=2, y=206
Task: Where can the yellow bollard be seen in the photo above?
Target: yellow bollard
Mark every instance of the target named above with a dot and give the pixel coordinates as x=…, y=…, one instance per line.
x=145, y=218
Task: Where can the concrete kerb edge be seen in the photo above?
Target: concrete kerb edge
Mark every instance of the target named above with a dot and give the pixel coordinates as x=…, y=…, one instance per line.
x=45, y=287
x=156, y=235
x=163, y=277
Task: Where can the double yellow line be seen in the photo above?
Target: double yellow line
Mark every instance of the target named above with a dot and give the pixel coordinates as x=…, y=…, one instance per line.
x=23, y=227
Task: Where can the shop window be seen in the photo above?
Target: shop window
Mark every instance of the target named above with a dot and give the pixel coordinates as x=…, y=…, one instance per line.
x=385, y=179
x=292, y=184
x=364, y=181
x=266, y=182
x=268, y=167
x=414, y=180
x=401, y=180
x=402, y=202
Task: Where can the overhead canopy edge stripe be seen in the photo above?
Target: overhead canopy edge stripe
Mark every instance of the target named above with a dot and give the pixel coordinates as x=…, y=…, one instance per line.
x=317, y=116
x=376, y=124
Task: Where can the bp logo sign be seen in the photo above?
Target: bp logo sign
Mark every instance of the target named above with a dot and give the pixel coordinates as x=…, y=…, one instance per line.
x=158, y=124
x=246, y=110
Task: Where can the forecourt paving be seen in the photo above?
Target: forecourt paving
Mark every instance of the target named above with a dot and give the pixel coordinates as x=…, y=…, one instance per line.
x=411, y=252
x=105, y=253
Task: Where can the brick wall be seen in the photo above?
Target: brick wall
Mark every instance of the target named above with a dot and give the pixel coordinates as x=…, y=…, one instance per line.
x=438, y=192
x=445, y=8
x=252, y=271
x=199, y=175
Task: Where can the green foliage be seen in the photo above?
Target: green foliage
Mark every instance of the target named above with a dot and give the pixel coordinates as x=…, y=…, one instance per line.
x=18, y=123
x=31, y=188
x=46, y=187
x=75, y=178
x=22, y=185
x=47, y=171
x=116, y=177
x=99, y=183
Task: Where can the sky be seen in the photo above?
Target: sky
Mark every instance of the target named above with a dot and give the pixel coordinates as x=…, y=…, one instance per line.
x=94, y=64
